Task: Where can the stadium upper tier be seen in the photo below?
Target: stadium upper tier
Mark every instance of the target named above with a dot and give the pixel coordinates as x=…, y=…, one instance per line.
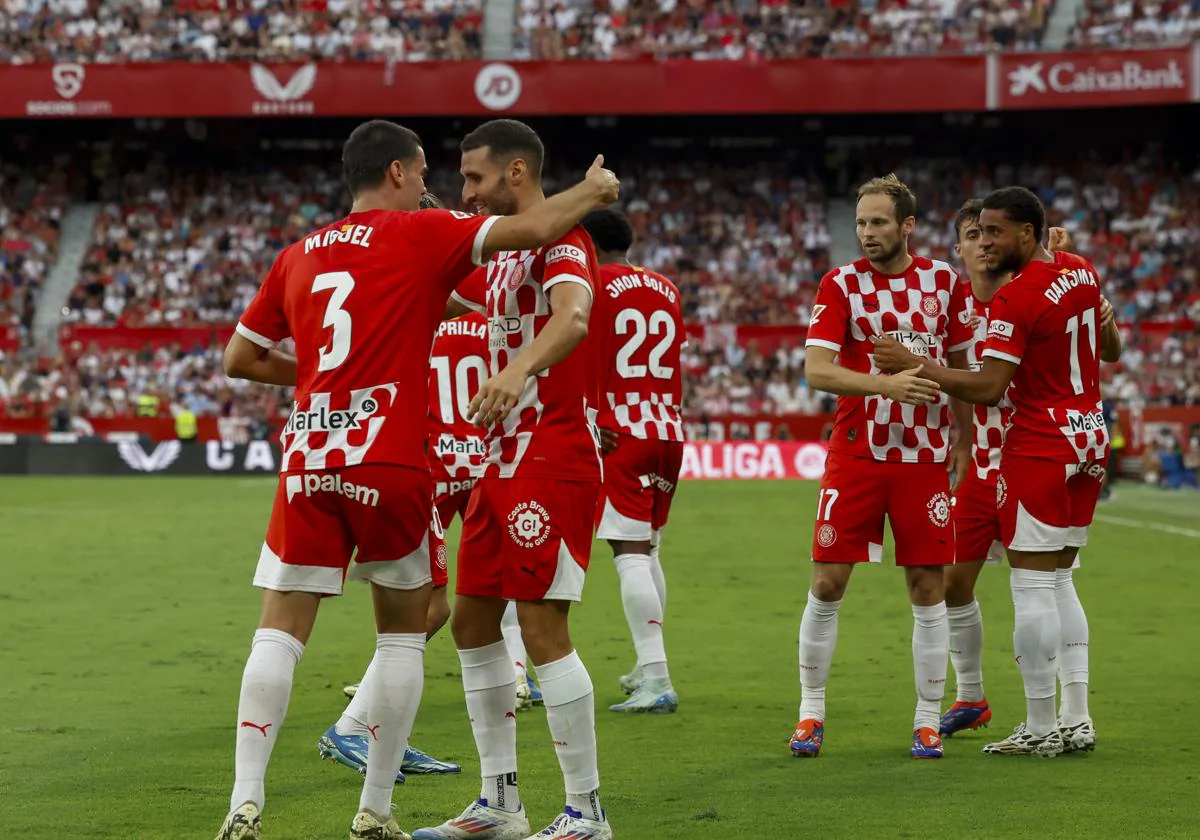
x=441, y=30
x=31, y=205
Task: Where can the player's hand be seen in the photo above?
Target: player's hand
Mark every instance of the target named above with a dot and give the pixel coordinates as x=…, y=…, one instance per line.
x=1059, y=239
x=608, y=440
x=605, y=179
x=957, y=465
x=1107, y=315
x=497, y=397
x=908, y=387
x=891, y=356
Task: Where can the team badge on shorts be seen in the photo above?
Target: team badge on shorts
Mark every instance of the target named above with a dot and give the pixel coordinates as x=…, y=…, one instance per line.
x=930, y=305
x=441, y=557
x=529, y=524
x=826, y=536
x=939, y=510
x=1001, y=492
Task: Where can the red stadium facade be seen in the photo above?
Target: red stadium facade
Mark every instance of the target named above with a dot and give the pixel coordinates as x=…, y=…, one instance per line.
x=998, y=81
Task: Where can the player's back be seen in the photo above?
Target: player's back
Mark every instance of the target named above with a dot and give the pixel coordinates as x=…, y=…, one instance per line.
x=637, y=326
x=457, y=368
x=361, y=299
x=1047, y=320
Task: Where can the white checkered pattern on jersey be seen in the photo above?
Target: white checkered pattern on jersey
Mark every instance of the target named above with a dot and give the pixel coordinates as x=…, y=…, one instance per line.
x=636, y=416
x=1090, y=446
x=990, y=421
x=895, y=431
x=313, y=445
x=456, y=457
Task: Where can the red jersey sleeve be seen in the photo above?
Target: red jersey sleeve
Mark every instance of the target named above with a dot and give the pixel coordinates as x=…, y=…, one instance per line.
x=1008, y=328
x=830, y=320
x=960, y=333
x=264, y=322
x=472, y=292
x=569, y=260
x=449, y=243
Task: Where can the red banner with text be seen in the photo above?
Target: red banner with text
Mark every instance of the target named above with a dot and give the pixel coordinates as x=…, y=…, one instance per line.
x=753, y=459
x=471, y=88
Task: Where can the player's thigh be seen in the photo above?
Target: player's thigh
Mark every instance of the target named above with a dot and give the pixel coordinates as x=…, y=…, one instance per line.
x=452, y=497
x=670, y=459
x=1083, y=494
x=850, y=512
x=976, y=522
x=547, y=538
x=625, y=507
x=308, y=544
x=480, y=560
x=390, y=509
x=918, y=511
x=1033, y=505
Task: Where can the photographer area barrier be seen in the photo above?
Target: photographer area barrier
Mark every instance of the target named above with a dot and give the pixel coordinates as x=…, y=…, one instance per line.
x=23, y=456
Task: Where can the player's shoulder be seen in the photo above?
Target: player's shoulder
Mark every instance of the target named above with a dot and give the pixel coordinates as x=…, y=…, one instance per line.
x=841, y=275
x=1068, y=260
x=575, y=246
x=941, y=270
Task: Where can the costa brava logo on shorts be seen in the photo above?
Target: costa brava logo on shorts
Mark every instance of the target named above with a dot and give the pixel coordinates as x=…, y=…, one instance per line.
x=529, y=524
x=939, y=510
x=826, y=535
x=1001, y=492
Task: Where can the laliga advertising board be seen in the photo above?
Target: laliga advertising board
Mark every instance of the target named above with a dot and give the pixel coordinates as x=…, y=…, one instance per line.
x=753, y=459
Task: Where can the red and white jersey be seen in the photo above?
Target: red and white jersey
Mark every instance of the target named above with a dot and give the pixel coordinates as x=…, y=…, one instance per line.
x=638, y=333
x=990, y=421
x=1049, y=313
x=457, y=367
x=550, y=432
x=925, y=309
x=361, y=299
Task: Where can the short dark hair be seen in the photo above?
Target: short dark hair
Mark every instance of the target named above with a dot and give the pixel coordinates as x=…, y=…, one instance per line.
x=969, y=212
x=902, y=197
x=1018, y=205
x=506, y=140
x=429, y=201
x=609, y=229
x=371, y=149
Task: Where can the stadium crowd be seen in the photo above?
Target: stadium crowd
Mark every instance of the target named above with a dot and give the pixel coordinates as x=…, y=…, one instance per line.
x=746, y=245
x=31, y=207
x=428, y=30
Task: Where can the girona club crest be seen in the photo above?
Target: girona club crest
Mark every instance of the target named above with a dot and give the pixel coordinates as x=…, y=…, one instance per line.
x=826, y=536
x=939, y=510
x=930, y=305
x=1001, y=492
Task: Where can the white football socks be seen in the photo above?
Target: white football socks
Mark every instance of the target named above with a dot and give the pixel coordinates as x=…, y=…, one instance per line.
x=1037, y=636
x=262, y=706
x=966, y=651
x=393, y=696
x=1073, y=653
x=930, y=649
x=571, y=714
x=510, y=626
x=491, y=689
x=354, y=717
x=818, y=638
x=656, y=570
x=643, y=611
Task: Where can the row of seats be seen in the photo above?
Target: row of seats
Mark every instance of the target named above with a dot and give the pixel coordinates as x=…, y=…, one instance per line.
x=442, y=30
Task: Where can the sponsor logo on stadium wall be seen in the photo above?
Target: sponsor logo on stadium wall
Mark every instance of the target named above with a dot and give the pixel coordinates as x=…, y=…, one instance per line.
x=159, y=459
x=1091, y=78
x=498, y=87
x=753, y=460
x=283, y=97
x=68, y=79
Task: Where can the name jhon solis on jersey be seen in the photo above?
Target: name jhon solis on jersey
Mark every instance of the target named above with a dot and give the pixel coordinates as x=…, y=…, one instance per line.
x=353, y=234
x=1068, y=281
x=637, y=281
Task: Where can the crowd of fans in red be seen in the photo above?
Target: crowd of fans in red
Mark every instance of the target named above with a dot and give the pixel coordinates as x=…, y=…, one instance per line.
x=747, y=245
x=427, y=30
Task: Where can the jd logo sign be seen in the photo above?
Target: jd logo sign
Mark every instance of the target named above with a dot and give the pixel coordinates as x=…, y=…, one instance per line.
x=498, y=87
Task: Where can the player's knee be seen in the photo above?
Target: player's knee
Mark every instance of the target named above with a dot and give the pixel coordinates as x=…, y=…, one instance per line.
x=438, y=614
x=960, y=588
x=545, y=631
x=830, y=580
x=475, y=622
x=926, y=586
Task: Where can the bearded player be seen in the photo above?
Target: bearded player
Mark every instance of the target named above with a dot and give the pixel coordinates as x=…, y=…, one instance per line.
x=361, y=299
x=637, y=328
x=528, y=529
x=1053, y=453
x=888, y=456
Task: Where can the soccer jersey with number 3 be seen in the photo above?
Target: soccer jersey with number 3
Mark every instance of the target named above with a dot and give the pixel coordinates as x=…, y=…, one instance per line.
x=362, y=299
x=1046, y=320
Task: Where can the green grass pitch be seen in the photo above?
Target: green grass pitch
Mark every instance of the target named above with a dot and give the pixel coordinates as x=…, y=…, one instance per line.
x=126, y=613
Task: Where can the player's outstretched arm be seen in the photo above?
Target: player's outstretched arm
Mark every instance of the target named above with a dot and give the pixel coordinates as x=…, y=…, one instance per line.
x=246, y=360
x=571, y=305
x=1111, y=345
x=824, y=374
x=985, y=387
x=964, y=424
x=554, y=217
x=455, y=309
